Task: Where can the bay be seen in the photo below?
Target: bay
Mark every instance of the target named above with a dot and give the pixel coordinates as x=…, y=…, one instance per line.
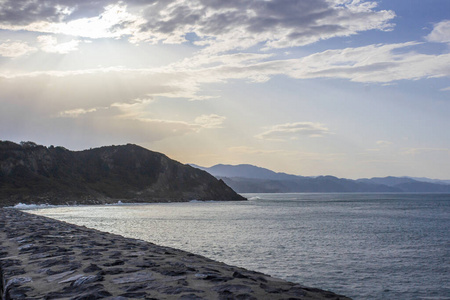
x=365, y=246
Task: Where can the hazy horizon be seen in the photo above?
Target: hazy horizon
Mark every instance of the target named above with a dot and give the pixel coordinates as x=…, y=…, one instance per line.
x=353, y=89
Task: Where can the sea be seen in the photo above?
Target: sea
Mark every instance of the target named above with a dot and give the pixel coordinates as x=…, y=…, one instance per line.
x=364, y=246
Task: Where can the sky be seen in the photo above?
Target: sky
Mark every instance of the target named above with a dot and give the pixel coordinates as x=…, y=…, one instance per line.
x=349, y=88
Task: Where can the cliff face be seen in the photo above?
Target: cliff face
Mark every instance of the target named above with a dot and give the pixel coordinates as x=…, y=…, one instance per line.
x=30, y=173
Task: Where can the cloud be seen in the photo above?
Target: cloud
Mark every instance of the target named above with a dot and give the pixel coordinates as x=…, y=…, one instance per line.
x=186, y=79
x=93, y=121
x=135, y=109
x=440, y=33
x=91, y=88
x=382, y=146
x=294, y=130
x=432, y=151
x=382, y=63
x=384, y=143
x=89, y=107
x=15, y=49
x=102, y=106
x=375, y=63
x=103, y=21
x=73, y=113
x=226, y=25
x=218, y=25
x=50, y=44
x=210, y=121
x=447, y=89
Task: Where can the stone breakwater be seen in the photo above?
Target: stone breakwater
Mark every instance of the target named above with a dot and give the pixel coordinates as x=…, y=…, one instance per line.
x=41, y=258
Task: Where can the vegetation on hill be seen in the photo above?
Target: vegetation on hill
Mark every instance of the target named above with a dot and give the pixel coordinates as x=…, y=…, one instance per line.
x=30, y=173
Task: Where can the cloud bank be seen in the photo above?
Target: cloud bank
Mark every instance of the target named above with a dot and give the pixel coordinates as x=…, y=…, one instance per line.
x=217, y=25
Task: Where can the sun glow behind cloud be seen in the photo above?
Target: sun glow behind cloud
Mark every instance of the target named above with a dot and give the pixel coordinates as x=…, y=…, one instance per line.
x=114, y=22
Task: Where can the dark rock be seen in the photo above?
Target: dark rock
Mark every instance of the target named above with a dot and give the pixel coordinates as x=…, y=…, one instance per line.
x=275, y=290
x=87, y=279
x=115, y=263
x=175, y=270
x=134, y=288
x=5, y=263
x=175, y=290
x=233, y=288
x=213, y=277
x=237, y=274
x=147, y=264
x=115, y=255
x=191, y=297
x=41, y=255
x=58, y=276
x=111, y=271
x=13, y=293
x=73, y=292
x=93, y=295
x=134, y=278
x=92, y=268
x=53, y=262
x=14, y=272
x=140, y=295
x=262, y=279
x=17, y=281
x=91, y=252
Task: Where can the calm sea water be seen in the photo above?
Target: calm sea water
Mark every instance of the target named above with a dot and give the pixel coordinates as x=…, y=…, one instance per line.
x=366, y=246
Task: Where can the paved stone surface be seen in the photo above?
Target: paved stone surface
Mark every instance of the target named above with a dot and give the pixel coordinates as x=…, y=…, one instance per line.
x=41, y=258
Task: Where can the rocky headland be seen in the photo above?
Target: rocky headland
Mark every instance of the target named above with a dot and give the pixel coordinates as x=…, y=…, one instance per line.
x=41, y=258
x=34, y=174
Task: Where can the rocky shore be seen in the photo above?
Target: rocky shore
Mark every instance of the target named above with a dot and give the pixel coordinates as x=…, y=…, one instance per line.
x=41, y=258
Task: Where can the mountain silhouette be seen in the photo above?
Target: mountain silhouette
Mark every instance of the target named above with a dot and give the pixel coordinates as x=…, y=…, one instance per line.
x=30, y=173
x=252, y=179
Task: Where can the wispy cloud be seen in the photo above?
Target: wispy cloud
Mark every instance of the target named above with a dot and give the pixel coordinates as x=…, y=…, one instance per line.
x=15, y=49
x=135, y=109
x=374, y=63
x=383, y=143
x=418, y=151
x=210, y=121
x=294, y=130
x=74, y=113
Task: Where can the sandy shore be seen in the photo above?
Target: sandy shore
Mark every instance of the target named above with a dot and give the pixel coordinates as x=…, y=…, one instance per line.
x=41, y=258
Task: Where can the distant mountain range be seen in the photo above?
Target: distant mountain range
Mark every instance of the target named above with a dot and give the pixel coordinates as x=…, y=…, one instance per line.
x=34, y=174
x=253, y=179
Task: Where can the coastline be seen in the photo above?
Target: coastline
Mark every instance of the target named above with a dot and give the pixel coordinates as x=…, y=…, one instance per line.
x=45, y=258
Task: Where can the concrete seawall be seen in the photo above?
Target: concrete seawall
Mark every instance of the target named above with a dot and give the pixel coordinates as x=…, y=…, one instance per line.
x=41, y=258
